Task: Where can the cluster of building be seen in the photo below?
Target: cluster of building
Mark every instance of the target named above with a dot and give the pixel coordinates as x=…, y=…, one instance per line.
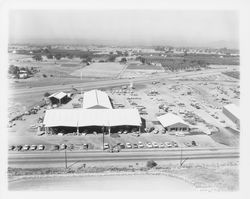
x=98, y=115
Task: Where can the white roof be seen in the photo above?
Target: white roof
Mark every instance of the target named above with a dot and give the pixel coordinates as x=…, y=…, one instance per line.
x=58, y=95
x=169, y=119
x=232, y=108
x=96, y=98
x=92, y=117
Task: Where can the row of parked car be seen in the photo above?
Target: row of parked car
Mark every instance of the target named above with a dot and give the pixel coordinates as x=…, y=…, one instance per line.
x=27, y=147
x=141, y=145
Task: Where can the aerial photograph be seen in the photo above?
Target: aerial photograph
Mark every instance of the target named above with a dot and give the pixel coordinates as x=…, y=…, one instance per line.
x=127, y=100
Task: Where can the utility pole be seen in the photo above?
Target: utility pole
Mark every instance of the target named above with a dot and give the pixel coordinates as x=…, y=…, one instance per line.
x=103, y=137
x=181, y=160
x=65, y=158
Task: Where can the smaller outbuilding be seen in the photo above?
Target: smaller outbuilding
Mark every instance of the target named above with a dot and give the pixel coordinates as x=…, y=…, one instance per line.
x=59, y=98
x=233, y=113
x=172, y=122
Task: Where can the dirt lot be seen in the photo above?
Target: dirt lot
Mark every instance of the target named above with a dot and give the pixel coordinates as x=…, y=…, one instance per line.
x=108, y=69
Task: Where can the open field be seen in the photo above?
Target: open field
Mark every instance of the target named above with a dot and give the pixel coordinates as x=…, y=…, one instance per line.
x=202, y=176
x=144, y=67
x=108, y=69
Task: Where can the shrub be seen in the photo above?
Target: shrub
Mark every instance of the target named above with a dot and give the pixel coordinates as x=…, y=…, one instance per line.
x=151, y=164
x=44, y=75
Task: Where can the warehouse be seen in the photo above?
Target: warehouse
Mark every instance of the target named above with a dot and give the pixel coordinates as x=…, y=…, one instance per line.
x=78, y=120
x=173, y=122
x=233, y=113
x=96, y=99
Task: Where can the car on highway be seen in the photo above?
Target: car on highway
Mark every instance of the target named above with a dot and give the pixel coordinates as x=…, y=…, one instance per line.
x=33, y=147
x=128, y=145
x=140, y=144
x=26, y=147
x=11, y=148
x=135, y=146
x=106, y=146
x=149, y=145
x=63, y=146
x=168, y=144
x=155, y=145
x=41, y=147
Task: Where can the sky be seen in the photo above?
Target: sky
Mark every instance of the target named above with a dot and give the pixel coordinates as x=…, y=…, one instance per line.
x=214, y=28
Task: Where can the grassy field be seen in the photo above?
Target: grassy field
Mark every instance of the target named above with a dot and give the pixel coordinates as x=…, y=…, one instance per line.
x=191, y=61
x=234, y=74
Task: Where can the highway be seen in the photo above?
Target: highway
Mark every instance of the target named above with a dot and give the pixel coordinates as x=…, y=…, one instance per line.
x=57, y=158
x=108, y=83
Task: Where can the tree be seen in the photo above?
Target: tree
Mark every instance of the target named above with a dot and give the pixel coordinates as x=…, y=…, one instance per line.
x=111, y=58
x=58, y=56
x=47, y=94
x=123, y=60
x=37, y=57
x=49, y=56
x=14, y=70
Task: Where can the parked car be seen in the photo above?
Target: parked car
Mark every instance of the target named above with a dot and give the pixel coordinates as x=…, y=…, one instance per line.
x=11, y=148
x=168, y=144
x=122, y=146
x=174, y=144
x=41, y=147
x=140, y=145
x=33, y=147
x=162, y=145
x=19, y=147
x=85, y=146
x=149, y=145
x=106, y=146
x=55, y=147
x=155, y=145
x=63, y=146
x=188, y=144
x=194, y=143
x=128, y=145
x=71, y=147
x=26, y=147
x=156, y=131
x=135, y=146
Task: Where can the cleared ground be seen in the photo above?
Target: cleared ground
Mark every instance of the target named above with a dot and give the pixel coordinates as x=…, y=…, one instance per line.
x=108, y=69
x=103, y=183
